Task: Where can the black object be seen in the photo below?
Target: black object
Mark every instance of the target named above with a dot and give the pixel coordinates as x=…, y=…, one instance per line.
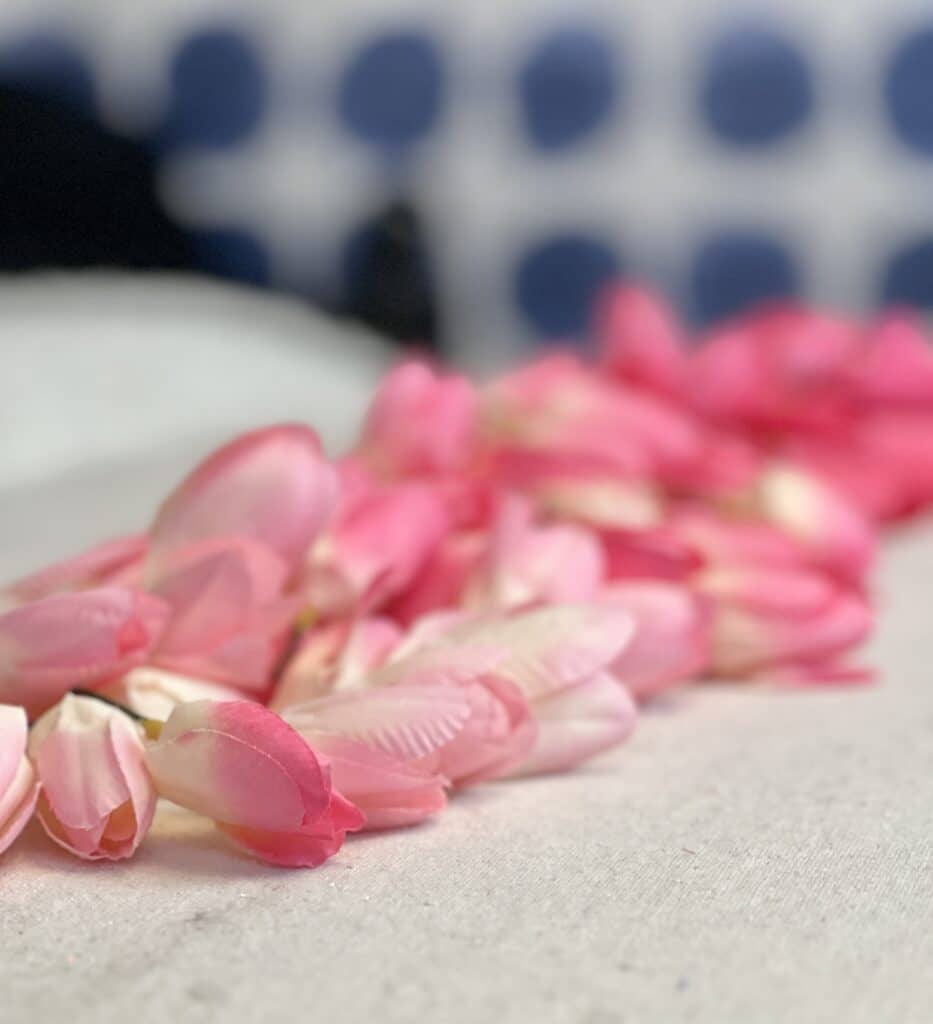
x=74, y=195
x=388, y=282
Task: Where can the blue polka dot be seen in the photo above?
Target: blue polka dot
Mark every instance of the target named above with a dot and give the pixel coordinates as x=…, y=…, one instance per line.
x=392, y=90
x=50, y=67
x=556, y=282
x=756, y=87
x=908, y=91
x=234, y=253
x=908, y=279
x=218, y=90
x=567, y=87
x=735, y=270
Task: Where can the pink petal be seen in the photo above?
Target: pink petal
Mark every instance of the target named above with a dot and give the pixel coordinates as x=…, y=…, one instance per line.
x=378, y=545
x=530, y=564
x=897, y=369
x=388, y=791
x=271, y=485
x=578, y=723
x=52, y=645
x=547, y=649
x=406, y=722
x=88, y=569
x=671, y=640
x=239, y=763
x=19, y=788
x=308, y=847
x=641, y=341
x=411, y=397
x=97, y=799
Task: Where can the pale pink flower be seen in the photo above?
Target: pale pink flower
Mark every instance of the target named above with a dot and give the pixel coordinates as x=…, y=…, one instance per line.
x=670, y=644
x=538, y=659
x=104, y=563
x=420, y=422
x=528, y=563
x=377, y=545
x=19, y=787
x=242, y=765
x=335, y=656
x=228, y=617
x=382, y=746
x=51, y=645
x=273, y=486
x=96, y=798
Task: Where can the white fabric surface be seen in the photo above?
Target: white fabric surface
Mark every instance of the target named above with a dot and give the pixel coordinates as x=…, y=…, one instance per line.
x=749, y=856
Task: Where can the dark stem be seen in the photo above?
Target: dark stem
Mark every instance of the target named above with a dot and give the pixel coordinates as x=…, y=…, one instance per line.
x=78, y=692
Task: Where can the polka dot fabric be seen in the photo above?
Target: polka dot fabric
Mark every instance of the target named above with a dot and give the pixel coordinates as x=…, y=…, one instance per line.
x=729, y=153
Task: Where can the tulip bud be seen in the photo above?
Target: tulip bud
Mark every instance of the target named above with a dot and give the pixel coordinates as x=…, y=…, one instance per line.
x=242, y=765
x=19, y=787
x=97, y=799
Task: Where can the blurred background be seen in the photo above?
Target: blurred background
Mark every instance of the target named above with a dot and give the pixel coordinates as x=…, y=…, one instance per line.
x=464, y=176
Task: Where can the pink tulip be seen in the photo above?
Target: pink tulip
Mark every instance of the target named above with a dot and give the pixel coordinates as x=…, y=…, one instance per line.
x=577, y=723
x=494, y=727
x=528, y=563
x=272, y=486
x=896, y=368
x=420, y=422
x=670, y=644
x=241, y=765
x=85, y=638
x=382, y=746
x=641, y=341
x=19, y=788
x=557, y=408
x=104, y=563
x=335, y=656
x=228, y=619
x=772, y=619
x=779, y=368
x=833, y=533
x=544, y=656
x=443, y=578
x=96, y=799
x=376, y=547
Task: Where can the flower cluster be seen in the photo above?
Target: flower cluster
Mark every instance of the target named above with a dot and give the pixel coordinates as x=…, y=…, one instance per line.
x=487, y=586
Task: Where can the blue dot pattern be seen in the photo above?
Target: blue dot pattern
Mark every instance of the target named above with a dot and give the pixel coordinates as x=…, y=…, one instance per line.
x=567, y=87
x=908, y=90
x=908, y=279
x=392, y=90
x=757, y=87
x=218, y=90
x=233, y=253
x=557, y=281
x=735, y=270
x=49, y=66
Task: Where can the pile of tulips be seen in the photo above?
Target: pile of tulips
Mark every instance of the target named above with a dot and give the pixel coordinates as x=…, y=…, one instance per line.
x=487, y=586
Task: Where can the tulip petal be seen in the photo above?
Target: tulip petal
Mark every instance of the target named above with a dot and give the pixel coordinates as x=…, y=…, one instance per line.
x=271, y=485
x=240, y=763
x=54, y=644
x=19, y=788
x=407, y=722
x=578, y=723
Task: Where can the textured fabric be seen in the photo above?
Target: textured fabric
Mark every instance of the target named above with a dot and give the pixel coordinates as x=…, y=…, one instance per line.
x=748, y=856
